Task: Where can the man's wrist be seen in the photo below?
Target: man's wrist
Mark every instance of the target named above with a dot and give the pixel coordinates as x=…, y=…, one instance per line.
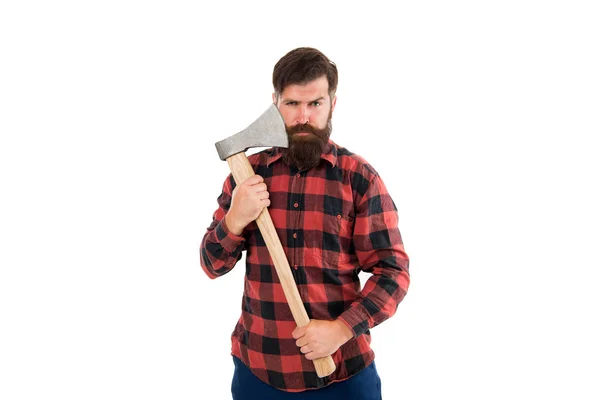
x=346, y=332
x=232, y=226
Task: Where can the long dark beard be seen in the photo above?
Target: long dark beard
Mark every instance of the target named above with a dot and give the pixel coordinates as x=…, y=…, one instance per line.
x=304, y=152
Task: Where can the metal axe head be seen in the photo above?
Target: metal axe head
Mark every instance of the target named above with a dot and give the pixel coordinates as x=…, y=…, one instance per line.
x=267, y=131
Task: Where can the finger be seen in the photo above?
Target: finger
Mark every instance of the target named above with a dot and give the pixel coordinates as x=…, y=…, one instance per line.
x=299, y=332
x=253, y=180
x=305, y=349
x=265, y=202
x=263, y=195
x=301, y=342
x=259, y=187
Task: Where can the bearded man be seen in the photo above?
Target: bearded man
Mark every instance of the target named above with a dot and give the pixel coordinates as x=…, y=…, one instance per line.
x=335, y=219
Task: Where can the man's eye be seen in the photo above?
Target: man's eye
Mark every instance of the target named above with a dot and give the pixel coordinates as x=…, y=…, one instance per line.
x=291, y=103
x=316, y=103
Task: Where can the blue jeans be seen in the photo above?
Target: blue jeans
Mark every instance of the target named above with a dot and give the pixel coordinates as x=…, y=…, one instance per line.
x=365, y=385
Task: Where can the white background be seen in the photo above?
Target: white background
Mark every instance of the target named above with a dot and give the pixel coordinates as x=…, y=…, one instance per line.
x=480, y=117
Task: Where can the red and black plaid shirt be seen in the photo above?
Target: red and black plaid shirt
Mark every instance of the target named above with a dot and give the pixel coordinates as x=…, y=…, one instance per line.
x=334, y=221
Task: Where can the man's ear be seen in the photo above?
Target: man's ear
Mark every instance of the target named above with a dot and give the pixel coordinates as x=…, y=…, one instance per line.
x=333, y=102
x=274, y=99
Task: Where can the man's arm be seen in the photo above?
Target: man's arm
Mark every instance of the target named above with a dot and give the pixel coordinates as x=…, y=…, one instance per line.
x=380, y=251
x=220, y=248
x=223, y=242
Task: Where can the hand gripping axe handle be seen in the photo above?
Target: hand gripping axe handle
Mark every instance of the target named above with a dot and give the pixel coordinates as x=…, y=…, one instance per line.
x=267, y=131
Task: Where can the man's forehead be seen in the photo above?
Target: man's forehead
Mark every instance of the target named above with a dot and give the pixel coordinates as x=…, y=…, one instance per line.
x=317, y=87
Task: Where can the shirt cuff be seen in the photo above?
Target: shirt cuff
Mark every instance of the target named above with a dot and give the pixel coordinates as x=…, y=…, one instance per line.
x=357, y=319
x=228, y=240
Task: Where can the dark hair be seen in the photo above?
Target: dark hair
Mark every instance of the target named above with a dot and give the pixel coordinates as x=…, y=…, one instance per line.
x=301, y=66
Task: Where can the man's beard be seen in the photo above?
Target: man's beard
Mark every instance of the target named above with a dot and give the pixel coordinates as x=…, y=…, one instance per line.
x=305, y=151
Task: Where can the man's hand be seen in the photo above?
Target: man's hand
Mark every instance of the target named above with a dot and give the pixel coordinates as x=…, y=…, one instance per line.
x=248, y=200
x=321, y=338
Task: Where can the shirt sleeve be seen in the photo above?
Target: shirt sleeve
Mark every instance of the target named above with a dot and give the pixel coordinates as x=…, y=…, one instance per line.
x=380, y=251
x=221, y=249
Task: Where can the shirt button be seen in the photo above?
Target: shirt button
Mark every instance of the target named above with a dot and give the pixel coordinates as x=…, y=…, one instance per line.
x=295, y=235
x=339, y=216
x=295, y=267
x=295, y=205
x=298, y=175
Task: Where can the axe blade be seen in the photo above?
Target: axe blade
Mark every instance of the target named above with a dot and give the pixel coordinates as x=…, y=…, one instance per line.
x=267, y=131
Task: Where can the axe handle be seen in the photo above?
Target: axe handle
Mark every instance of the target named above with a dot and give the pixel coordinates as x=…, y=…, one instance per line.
x=242, y=170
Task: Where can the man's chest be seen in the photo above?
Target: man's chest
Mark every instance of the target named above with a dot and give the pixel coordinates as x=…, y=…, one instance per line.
x=313, y=212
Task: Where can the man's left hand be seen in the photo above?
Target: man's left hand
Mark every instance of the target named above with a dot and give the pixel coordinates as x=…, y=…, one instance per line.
x=321, y=338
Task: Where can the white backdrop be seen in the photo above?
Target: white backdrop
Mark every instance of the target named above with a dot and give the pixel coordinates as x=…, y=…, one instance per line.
x=479, y=116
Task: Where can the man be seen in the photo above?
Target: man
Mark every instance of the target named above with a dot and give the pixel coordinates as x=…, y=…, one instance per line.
x=335, y=219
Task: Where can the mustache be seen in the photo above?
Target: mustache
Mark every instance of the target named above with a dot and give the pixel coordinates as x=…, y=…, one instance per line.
x=303, y=128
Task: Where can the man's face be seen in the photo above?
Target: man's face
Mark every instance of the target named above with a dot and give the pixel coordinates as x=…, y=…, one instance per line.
x=306, y=111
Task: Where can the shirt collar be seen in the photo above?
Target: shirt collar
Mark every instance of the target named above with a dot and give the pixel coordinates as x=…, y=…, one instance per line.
x=330, y=154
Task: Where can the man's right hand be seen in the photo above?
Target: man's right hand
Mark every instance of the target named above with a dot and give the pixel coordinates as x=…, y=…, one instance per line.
x=248, y=200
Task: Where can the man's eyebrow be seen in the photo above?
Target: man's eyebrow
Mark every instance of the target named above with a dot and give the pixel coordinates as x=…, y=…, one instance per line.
x=286, y=100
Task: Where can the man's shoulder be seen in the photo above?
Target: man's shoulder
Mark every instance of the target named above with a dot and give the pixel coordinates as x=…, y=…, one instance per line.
x=261, y=157
x=351, y=161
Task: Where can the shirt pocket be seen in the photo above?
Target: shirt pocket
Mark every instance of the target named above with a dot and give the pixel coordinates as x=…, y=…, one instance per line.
x=334, y=228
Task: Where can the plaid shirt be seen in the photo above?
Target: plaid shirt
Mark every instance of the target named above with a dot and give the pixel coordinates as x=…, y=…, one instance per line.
x=334, y=221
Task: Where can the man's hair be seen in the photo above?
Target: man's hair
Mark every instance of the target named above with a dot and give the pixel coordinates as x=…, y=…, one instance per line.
x=301, y=66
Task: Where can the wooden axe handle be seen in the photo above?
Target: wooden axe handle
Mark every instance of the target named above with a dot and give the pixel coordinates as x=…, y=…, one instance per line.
x=242, y=170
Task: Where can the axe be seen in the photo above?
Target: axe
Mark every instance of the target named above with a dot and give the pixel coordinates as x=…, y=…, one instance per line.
x=269, y=131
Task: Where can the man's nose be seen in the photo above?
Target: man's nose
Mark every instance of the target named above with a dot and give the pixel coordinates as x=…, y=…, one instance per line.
x=303, y=115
